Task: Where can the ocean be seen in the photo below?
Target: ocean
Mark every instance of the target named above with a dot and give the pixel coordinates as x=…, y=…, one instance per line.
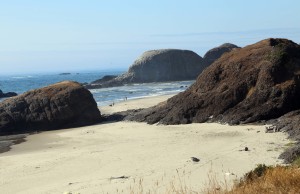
x=103, y=96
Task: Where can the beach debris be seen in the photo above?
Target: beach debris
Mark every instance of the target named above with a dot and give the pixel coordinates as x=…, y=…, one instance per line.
x=218, y=188
x=257, y=131
x=194, y=159
x=119, y=177
x=69, y=192
x=229, y=173
x=246, y=149
x=271, y=129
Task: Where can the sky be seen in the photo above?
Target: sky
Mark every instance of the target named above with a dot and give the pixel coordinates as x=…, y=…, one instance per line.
x=89, y=35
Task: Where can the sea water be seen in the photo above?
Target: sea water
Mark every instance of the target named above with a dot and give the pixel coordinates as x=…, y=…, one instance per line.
x=103, y=96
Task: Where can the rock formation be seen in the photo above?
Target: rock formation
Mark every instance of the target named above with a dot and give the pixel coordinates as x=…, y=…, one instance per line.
x=164, y=65
x=159, y=66
x=105, y=82
x=213, y=54
x=257, y=82
x=106, y=78
x=8, y=94
x=61, y=105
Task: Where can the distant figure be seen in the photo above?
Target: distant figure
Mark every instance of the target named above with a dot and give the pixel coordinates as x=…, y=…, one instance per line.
x=126, y=98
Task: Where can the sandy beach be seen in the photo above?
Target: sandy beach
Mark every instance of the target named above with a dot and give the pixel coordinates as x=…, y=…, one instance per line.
x=126, y=157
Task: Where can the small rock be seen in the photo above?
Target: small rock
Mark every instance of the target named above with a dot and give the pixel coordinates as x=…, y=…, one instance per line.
x=246, y=149
x=194, y=159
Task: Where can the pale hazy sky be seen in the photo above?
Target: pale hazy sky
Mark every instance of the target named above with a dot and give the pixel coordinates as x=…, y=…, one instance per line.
x=74, y=35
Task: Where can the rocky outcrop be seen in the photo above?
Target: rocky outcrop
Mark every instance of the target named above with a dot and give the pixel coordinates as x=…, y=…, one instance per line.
x=104, y=79
x=215, y=53
x=159, y=66
x=257, y=82
x=104, y=82
x=164, y=65
x=61, y=105
x=8, y=94
x=290, y=123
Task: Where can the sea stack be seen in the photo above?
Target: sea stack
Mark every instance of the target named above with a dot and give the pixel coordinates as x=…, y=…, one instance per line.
x=164, y=65
x=159, y=66
x=257, y=82
x=61, y=105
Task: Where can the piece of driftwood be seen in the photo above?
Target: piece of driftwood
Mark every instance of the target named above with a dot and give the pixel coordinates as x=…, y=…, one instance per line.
x=271, y=129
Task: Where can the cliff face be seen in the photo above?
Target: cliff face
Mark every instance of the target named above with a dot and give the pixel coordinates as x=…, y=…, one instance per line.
x=257, y=82
x=65, y=104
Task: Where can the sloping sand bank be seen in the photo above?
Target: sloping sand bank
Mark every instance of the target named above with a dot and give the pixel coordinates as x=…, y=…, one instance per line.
x=127, y=156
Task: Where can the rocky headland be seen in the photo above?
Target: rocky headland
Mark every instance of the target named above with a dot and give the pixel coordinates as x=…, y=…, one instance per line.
x=61, y=105
x=104, y=82
x=254, y=83
x=164, y=65
x=7, y=95
x=257, y=83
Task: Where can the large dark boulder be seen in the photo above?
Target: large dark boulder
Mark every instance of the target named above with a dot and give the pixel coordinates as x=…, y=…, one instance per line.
x=8, y=94
x=165, y=65
x=257, y=82
x=213, y=54
x=159, y=66
x=61, y=105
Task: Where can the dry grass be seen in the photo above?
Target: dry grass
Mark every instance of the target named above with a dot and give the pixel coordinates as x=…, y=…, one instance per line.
x=277, y=180
x=250, y=92
x=261, y=180
x=296, y=162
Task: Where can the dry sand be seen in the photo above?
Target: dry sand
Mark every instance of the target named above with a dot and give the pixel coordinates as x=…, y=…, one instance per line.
x=119, y=157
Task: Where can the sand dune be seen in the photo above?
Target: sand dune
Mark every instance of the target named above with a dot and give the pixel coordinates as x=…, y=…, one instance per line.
x=118, y=157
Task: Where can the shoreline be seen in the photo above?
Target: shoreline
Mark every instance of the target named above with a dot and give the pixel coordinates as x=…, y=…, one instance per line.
x=137, y=103
x=7, y=141
x=123, y=155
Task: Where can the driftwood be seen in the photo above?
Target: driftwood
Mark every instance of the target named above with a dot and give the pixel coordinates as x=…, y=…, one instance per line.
x=271, y=129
